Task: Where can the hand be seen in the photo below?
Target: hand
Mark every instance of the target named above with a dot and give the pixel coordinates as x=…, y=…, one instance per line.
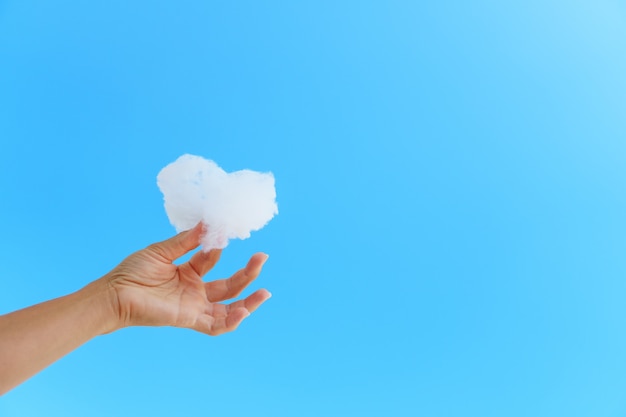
x=152, y=291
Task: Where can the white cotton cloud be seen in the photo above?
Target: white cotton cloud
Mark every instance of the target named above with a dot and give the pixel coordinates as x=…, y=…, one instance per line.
x=230, y=205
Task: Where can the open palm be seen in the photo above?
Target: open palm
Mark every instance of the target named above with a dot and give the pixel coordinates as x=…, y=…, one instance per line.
x=153, y=291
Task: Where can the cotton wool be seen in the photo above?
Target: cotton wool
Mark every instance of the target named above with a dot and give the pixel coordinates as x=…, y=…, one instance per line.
x=231, y=205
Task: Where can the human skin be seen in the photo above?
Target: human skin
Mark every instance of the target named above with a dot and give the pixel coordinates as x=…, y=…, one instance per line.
x=146, y=289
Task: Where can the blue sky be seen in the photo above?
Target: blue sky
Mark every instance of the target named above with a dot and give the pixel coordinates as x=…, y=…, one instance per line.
x=450, y=180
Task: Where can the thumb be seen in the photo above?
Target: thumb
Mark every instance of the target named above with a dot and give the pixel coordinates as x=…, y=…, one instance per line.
x=175, y=247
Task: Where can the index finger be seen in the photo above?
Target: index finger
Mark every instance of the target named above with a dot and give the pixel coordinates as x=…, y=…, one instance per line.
x=202, y=262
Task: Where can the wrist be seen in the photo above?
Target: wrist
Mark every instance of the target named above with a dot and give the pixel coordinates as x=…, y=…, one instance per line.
x=103, y=300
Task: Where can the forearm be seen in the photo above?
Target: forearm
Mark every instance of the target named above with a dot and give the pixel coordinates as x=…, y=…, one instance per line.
x=33, y=338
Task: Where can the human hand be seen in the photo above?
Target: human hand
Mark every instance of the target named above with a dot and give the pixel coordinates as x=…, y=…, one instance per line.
x=150, y=290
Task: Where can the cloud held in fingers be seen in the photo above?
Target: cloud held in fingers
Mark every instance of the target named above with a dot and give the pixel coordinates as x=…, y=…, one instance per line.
x=231, y=205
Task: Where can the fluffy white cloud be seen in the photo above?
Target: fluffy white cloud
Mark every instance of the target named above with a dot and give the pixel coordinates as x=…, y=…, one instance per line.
x=230, y=205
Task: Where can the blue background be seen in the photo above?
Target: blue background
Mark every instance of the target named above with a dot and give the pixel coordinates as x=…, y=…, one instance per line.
x=450, y=177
